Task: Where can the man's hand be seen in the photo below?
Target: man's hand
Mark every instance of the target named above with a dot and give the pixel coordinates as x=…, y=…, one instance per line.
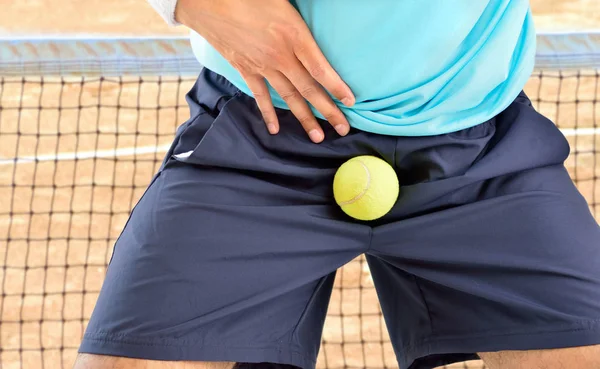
x=268, y=39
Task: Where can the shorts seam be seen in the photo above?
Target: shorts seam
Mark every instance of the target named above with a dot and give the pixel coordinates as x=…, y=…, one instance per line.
x=424, y=302
x=489, y=335
x=152, y=183
x=183, y=343
x=305, y=309
x=196, y=352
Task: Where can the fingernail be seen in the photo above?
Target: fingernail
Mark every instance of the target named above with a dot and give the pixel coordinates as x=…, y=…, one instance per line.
x=272, y=129
x=342, y=129
x=315, y=135
x=348, y=101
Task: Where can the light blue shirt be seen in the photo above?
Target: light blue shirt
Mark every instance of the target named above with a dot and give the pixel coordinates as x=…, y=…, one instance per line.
x=416, y=67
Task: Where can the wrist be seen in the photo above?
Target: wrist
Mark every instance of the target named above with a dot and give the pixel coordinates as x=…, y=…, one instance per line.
x=166, y=9
x=189, y=12
x=180, y=13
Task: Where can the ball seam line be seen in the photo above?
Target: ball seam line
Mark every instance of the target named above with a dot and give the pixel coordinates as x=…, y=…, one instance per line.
x=364, y=191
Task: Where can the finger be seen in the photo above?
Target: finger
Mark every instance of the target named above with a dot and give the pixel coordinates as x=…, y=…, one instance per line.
x=260, y=91
x=313, y=60
x=314, y=93
x=297, y=105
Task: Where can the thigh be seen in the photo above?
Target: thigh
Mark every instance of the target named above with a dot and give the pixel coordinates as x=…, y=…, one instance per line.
x=89, y=361
x=574, y=357
x=503, y=255
x=229, y=255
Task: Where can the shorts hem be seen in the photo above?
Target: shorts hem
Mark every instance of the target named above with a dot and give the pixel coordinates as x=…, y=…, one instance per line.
x=447, y=349
x=190, y=352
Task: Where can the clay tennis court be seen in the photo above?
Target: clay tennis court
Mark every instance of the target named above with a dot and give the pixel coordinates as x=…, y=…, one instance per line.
x=87, y=149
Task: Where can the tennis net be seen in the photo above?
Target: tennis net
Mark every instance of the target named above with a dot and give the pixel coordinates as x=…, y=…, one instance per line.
x=84, y=124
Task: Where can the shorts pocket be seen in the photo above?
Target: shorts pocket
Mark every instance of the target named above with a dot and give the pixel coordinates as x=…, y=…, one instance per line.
x=186, y=147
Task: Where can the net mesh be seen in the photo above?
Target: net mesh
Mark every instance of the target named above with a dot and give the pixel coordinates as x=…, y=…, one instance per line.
x=76, y=153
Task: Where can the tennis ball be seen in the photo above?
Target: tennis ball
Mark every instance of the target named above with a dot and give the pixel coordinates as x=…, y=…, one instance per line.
x=365, y=187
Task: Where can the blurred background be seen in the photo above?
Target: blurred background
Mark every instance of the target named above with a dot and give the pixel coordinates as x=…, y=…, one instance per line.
x=91, y=93
x=135, y=18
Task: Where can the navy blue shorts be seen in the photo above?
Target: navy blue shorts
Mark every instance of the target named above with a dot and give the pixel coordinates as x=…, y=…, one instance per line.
x=231, y=253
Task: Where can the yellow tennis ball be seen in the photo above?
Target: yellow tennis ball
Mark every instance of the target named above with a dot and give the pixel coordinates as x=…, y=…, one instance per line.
x=365, y=187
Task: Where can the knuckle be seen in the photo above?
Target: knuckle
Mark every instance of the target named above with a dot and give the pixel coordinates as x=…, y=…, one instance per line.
x=300, y=47
x=284, y=30
x=240, y=63
x=270, y=57
x=330, y=111
x=269, y=52
x=337, y=91
x=259, y=95
x=289, y=95
x=316, y=71
x=269, y=118
x=333, y=115
x=308, y=90
x=261, y=68
x=306, y=121
x=236, y=65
